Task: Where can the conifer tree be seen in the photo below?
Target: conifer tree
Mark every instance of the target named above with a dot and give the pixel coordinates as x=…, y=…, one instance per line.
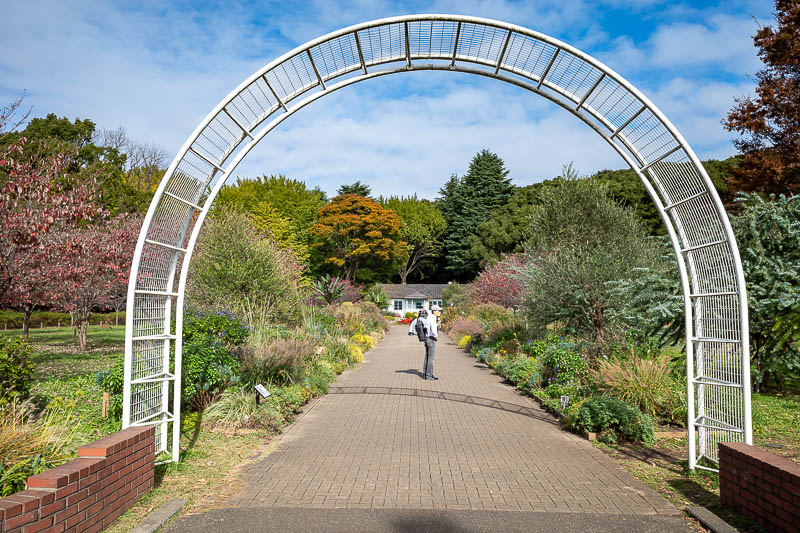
x=467, y=202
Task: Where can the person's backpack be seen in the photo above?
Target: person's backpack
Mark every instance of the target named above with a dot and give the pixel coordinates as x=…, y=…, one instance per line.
x=420, y=328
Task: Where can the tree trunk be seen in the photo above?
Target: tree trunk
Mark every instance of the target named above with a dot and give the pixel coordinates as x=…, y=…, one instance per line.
x=116, y=317
x=83, y=327
x=26, y=320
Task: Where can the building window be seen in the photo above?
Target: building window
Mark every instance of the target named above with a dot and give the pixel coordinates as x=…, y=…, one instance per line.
x=398, y=305
x=420, y=304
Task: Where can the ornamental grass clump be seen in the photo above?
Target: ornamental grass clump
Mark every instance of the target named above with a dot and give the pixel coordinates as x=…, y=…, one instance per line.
x=237, y=409
x=466, y=326
x=644, y=383
x=277, y=362
x=30, y=444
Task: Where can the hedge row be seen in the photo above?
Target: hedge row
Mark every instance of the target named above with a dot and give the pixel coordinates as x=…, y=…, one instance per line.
x=13, y=319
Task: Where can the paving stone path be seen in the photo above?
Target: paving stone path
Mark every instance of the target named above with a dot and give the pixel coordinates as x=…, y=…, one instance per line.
x=383, y=438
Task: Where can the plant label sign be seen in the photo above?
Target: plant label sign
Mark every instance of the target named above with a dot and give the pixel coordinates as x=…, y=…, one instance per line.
x=262, y=391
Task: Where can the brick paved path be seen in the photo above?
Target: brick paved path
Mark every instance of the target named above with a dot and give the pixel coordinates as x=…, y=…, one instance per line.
x=385, y=438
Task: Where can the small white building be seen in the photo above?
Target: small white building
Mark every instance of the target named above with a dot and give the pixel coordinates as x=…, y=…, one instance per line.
x=412, y=297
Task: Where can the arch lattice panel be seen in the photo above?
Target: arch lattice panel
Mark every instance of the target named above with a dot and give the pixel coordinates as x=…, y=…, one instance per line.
x=717, y=337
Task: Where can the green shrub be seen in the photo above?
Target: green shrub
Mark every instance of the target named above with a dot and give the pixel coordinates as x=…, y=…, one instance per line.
x=518, y=370
x=360, y=318
x=16, y=369
x=317, y=380
x=572, y=389
x=221, y=326
x=239, y=268
x=491, y=314
x=112, y=382
x=208, y=369
x=211, y=340
x=290, y=399
x=611, y=417
x=563, y=363
x=483, y=355
x=337, y=351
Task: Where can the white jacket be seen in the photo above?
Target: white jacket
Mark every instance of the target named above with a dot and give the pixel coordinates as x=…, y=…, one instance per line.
x=431, y=327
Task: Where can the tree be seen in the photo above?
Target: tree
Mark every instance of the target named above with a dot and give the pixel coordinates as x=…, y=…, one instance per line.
x=469, y=201
x=768, y=234
x=88, y=263
x=266, y=219
x=501, y=283
x=359, y=239
x=51, y=135
x=35, y=199
x=506, y=230
x=423, y=228
x=145, y=163
x=238, y=269
x=291, y=199
x=769, y=122
x=580, y=240
x=361, y=189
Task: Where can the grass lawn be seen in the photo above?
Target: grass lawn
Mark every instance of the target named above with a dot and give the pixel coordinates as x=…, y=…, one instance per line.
x=64, y=371
x=776, y=419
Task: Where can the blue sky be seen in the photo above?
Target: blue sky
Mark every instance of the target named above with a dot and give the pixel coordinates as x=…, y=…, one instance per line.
x=157, y=68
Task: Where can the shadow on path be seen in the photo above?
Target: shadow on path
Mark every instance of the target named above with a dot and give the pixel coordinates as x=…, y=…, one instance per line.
x=411, y=371
x=451, y=397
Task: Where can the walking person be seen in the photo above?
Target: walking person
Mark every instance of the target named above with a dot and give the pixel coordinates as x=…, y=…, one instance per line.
x=432, y=330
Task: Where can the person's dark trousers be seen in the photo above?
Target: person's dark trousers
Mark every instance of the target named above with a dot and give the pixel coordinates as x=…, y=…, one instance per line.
x=430, y=353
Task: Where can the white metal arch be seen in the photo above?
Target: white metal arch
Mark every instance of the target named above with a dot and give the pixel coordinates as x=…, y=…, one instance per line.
x=717, y=339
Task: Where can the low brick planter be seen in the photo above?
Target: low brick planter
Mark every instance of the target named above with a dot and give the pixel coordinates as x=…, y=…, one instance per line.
x=88, y=493
x=760, y=485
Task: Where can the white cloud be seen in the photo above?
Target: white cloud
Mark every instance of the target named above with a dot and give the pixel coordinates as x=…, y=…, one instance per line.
x=407, y=144
x=159, y=69
x=722, y=42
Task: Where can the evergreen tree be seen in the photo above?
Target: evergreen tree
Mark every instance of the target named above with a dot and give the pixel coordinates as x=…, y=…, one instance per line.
x=358, y=188
x=467, y=202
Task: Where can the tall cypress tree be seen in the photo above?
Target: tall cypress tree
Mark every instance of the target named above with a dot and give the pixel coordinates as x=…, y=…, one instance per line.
x=469, y=201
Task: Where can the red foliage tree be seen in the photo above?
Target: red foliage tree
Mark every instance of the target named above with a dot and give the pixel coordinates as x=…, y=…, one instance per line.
x=35, y=198
x=499, y=284
x=770, y=121
x=88, y=263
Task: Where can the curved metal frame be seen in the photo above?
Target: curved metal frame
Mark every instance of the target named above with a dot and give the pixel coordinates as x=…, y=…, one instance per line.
x=717, y=338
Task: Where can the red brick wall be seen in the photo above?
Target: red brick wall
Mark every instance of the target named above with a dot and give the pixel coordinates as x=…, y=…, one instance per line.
x=760, y=485
x=88, y=493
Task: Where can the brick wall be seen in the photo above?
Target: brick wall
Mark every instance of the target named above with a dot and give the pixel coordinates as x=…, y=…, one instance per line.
x=760, y=485
x=88, y=493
